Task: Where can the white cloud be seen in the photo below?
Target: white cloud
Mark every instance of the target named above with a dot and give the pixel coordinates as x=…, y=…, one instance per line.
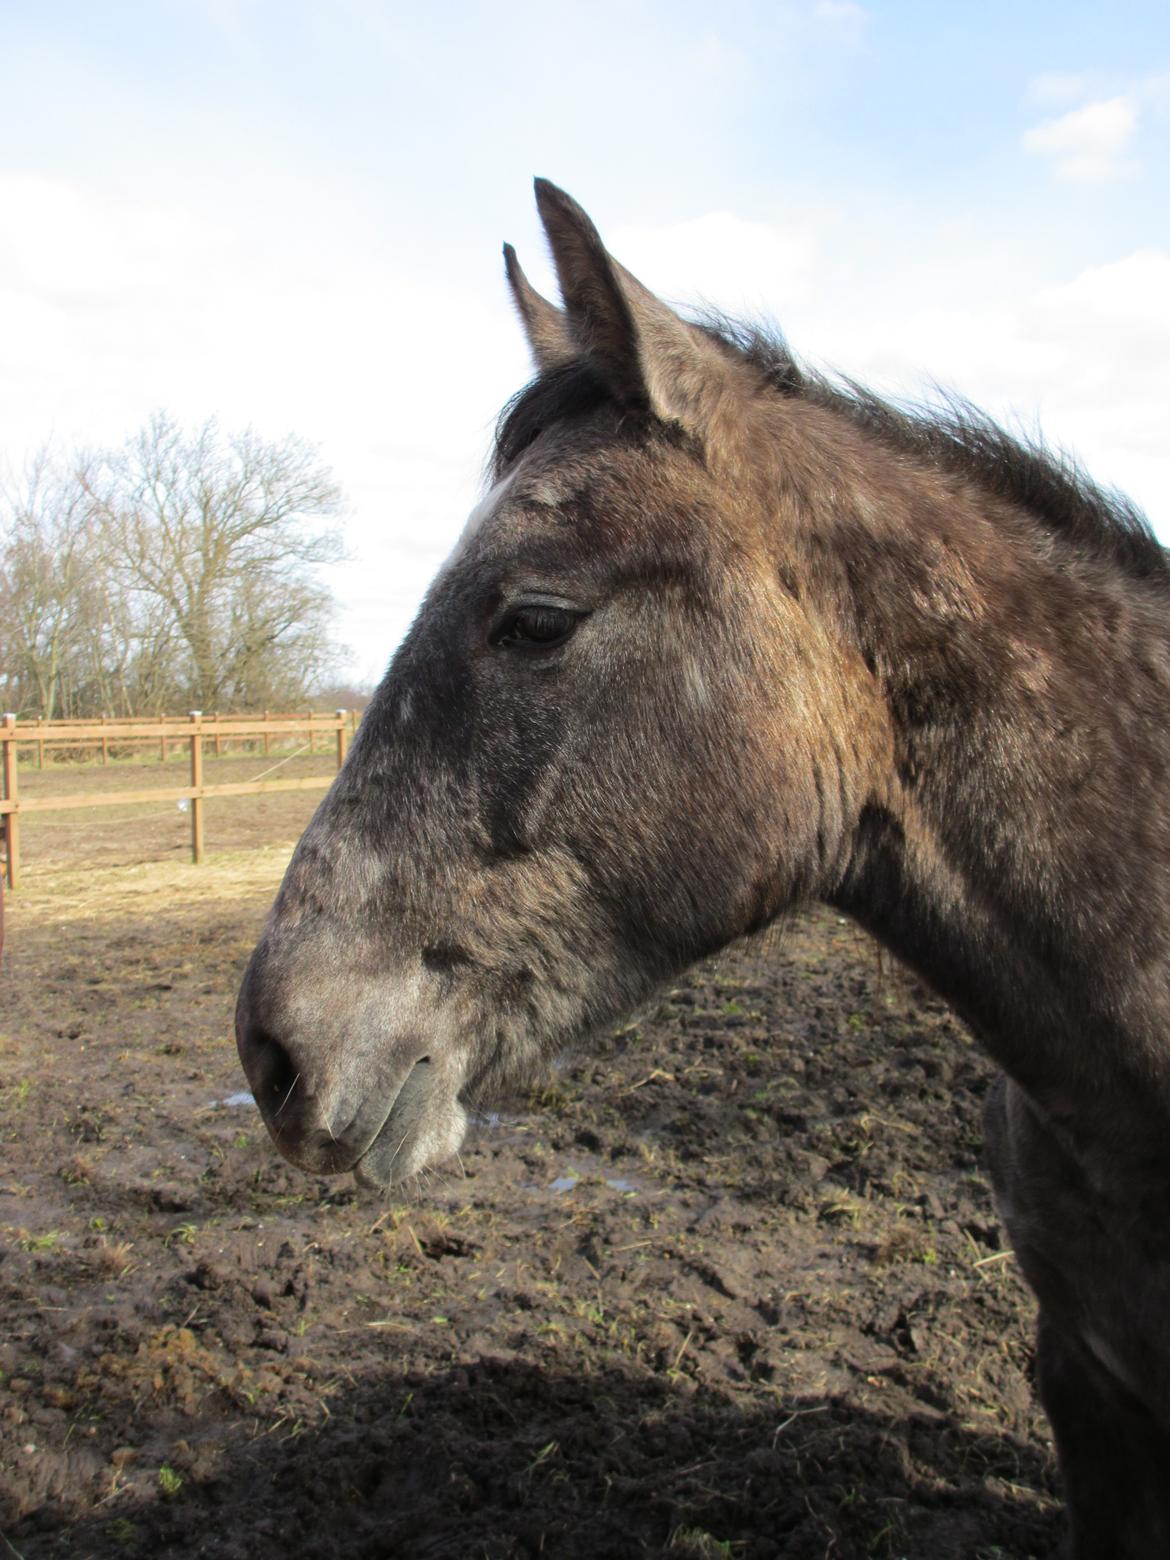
x=844, y=17
x=714, y=59
x=110, y=309
x=1081, y=362
x=1055, y=87
x=741, y=266
x=1110, y=330
x=1087, y=144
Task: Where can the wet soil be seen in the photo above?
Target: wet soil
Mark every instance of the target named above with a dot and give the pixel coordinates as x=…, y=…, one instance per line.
x=731, y=1285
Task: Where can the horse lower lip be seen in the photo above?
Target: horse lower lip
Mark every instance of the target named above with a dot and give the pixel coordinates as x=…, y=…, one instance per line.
x=363, y=1166
x=387, y=1120
x=327, y=1153
x=425, y=1125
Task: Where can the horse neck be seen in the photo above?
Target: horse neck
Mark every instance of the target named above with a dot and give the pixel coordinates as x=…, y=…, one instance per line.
x=1014, y=846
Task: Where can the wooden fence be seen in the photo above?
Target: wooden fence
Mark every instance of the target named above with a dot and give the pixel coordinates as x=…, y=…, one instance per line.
x=165, y=732
x=100, y=732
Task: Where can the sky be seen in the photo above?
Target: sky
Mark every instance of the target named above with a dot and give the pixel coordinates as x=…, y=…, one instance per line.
x=289, y=215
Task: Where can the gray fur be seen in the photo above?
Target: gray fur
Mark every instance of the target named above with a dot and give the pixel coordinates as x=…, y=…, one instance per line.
x=814, y=648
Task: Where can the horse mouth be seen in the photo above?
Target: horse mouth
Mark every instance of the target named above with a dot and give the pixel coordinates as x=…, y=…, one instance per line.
x=425, y=1125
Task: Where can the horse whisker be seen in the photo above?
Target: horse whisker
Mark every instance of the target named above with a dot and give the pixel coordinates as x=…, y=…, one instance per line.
x=288, y=1096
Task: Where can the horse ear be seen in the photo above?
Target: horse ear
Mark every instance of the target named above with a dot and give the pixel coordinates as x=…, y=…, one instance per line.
x=549, y=337
x=647, y=355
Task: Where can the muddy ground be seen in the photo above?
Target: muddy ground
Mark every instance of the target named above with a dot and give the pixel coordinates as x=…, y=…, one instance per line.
x=731, y=1286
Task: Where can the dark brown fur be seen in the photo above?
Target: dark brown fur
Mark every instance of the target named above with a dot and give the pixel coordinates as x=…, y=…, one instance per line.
x=814, y=647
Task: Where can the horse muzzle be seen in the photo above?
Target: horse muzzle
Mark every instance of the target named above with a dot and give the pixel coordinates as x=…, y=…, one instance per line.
x=370, y=1093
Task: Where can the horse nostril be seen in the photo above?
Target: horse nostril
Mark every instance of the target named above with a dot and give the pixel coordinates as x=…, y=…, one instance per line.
x=270, y=1071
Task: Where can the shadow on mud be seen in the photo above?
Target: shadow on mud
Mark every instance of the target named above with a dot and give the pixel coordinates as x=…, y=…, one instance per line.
x=505, y=1459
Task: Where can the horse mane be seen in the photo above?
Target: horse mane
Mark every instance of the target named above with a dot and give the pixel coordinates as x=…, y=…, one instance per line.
x=954, y=437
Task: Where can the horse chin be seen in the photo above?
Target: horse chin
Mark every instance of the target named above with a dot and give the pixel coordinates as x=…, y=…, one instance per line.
x=427, y=1123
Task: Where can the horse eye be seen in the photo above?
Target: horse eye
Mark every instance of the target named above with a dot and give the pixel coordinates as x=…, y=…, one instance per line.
x=535, y=627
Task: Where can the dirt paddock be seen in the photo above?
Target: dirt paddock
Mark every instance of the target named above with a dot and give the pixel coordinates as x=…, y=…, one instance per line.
x=732, y=1285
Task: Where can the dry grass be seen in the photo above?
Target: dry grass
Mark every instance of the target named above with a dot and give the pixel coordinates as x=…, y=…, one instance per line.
x=126, y=834
x=55, y=892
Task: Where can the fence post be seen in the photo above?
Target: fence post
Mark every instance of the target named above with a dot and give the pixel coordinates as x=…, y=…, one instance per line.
x=162, y=742
x=197, y=786
x=215, y=718
x=11, y=820
x=40, y=743
x=342, y=736
x=105, y=745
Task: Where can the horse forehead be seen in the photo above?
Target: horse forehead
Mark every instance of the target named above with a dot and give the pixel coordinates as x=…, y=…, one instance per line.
x=518, y=490
x=542, y=500
x=487, y=507
x=605, y=489
x=577, y=489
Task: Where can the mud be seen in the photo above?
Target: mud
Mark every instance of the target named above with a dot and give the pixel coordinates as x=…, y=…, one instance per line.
x=732, y=1285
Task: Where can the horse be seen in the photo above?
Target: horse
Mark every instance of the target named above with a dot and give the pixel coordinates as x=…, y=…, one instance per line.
x=725, y=635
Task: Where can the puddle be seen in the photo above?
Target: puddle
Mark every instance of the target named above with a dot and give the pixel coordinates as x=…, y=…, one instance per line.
x=566, y=1183
x=493, y=1120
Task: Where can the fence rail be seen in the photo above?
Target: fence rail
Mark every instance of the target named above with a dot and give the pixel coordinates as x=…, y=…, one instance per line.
x=99, y=731
x=165, y=730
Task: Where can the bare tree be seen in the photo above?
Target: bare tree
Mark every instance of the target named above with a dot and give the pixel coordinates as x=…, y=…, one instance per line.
x=180, y=569
x=223, y=531
x=49, y=578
